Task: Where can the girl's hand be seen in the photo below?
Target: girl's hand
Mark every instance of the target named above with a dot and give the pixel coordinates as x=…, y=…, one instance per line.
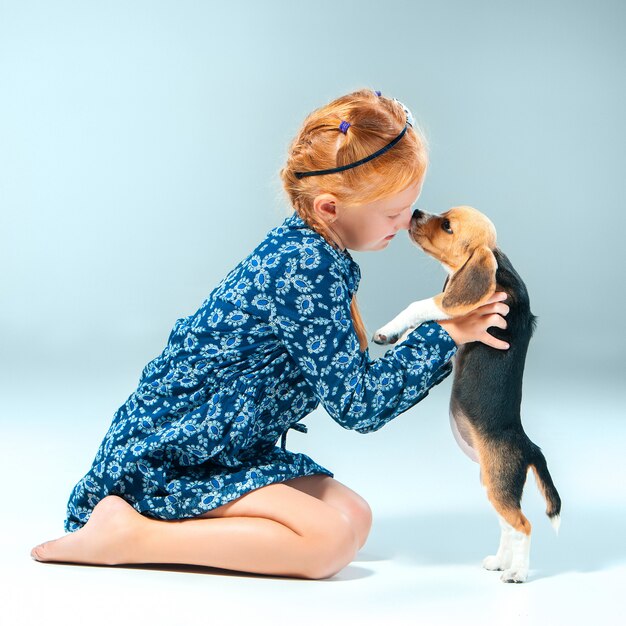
x=473, y=325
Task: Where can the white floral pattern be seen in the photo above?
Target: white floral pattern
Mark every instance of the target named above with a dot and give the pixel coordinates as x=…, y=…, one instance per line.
x=272, y=341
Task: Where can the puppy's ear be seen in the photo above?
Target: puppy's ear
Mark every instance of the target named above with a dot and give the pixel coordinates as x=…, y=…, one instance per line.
x=475, y=281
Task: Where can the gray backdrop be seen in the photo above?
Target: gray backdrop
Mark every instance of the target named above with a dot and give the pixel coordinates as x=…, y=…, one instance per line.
x=140, y=145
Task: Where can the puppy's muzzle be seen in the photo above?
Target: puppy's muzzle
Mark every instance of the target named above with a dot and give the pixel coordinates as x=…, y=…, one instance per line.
x=418, y=219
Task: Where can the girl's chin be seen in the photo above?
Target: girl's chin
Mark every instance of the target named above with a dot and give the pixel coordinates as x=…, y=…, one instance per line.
x=376, y=245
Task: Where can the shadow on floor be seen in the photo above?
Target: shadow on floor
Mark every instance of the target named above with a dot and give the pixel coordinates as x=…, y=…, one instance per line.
x=588, y=540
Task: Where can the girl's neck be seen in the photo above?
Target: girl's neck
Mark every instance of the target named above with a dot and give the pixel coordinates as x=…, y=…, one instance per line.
x=336, y=238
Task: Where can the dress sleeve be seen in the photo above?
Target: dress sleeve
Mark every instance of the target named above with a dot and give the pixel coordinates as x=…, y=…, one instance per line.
x=309, y=311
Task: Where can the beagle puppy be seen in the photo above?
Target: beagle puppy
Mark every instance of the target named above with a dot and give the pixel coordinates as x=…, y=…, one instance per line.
x=487, y=384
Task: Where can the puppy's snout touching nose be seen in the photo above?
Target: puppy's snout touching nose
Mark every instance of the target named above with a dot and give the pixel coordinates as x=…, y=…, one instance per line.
x=416, y=214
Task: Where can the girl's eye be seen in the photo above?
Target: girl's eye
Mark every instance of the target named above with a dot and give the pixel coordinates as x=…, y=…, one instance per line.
x=393, y=217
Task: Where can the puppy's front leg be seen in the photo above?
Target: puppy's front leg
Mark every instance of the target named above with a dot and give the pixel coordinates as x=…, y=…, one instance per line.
x=414, y=315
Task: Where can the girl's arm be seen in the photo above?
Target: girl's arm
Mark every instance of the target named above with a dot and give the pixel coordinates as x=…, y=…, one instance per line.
x=310, y=315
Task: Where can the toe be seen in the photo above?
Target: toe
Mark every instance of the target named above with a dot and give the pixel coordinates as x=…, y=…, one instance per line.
x=36, y=552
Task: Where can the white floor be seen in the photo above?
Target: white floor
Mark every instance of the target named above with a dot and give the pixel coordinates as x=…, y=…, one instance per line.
x=422, y=562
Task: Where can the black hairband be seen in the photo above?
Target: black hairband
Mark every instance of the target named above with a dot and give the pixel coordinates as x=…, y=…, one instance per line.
x=343, y=127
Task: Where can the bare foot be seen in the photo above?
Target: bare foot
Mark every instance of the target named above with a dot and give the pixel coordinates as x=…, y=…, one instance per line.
x=107, y=538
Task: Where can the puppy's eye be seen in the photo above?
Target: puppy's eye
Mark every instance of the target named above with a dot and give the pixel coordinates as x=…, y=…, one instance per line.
x=446, y=226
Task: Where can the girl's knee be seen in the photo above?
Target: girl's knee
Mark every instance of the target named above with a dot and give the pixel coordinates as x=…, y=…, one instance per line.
x=360, y=513
x=332, y=547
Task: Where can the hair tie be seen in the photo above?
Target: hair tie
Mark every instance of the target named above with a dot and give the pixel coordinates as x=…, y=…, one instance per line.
x=343, y=127
x=377, y=92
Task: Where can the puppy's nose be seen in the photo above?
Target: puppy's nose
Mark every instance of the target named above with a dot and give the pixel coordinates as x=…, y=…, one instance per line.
x=416, y=214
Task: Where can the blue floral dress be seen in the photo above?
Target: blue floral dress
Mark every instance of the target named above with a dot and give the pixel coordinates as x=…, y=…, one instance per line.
x=272, y=341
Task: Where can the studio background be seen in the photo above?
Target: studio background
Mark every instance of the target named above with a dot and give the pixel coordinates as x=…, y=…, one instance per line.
x=140, y=144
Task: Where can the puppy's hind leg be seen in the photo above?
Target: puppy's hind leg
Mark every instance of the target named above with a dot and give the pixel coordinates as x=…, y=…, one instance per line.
x=503, y=474
x=517, y=572
x=503, y=557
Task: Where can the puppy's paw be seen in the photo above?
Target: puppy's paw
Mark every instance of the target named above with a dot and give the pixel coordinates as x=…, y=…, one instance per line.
x=514, y=575
x=492, y=563
x=498, y=562
x=383, y=338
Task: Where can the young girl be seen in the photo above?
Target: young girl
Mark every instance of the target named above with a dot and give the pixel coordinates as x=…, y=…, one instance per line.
x=190, y=470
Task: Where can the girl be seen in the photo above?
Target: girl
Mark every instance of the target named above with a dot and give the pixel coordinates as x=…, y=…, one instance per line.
x=190, y=470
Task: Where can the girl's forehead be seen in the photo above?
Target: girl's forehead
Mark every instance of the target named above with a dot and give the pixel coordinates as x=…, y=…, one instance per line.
x=401, y=200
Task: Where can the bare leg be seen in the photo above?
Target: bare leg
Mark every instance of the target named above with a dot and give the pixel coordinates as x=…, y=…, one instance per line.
x=272, y=530
x=335, y=493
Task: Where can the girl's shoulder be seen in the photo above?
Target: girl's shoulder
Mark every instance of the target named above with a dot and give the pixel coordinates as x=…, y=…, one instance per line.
x=294, y=244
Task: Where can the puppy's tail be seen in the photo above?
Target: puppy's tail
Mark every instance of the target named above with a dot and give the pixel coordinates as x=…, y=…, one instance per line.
x=544, y=481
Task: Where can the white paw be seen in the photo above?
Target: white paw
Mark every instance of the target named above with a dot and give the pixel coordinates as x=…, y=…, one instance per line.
x=492, y=563
x=385, y=335
x=514, y=575
x=498, y=562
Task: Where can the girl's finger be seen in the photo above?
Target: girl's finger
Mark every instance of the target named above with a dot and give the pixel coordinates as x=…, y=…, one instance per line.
x=497, y=320
x=498, y=296
x=493, y=307
x=495, y=343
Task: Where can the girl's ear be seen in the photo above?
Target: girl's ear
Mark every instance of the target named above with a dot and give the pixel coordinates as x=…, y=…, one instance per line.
x=473, y=283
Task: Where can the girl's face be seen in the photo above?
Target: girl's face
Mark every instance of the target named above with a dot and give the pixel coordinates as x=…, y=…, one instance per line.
x=368, y=226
